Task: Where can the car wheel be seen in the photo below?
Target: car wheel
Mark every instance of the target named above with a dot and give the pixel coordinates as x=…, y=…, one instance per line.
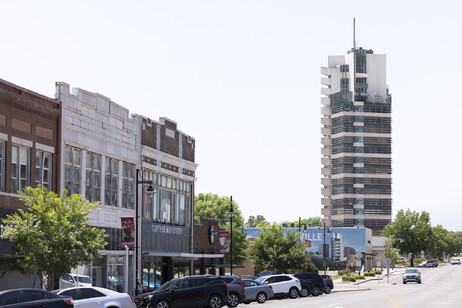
x=420, y=281
x=316, y=291
x=215, y=301
x=304, y=292
x=293, y=293
x=160, y=304
x=404, y=282
x=261, y=297
x=233, y=300
x=327, y=290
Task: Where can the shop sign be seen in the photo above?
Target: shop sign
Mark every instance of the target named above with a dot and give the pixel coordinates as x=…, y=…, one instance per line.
x=128, y=232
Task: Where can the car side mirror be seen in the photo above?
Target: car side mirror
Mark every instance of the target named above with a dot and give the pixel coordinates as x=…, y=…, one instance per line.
x=173, y=289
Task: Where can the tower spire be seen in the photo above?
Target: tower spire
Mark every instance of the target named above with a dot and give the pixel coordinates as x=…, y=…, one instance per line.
x=354, y=34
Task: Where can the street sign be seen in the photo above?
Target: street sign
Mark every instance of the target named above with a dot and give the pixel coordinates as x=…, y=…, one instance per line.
x=358, y=255
x=387, y=262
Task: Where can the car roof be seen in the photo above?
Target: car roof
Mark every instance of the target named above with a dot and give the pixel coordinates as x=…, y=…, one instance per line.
x=102, y=290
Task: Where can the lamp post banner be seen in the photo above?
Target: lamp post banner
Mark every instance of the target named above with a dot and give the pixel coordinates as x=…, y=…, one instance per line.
x=128, y=232
x=224, y=241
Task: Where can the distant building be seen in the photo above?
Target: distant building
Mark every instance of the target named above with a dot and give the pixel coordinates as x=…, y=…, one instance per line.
x=348, y=251
x=356, y=141
x=337, y=252
x=29, y=156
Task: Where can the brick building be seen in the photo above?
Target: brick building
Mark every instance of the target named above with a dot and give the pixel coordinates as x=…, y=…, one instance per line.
x=208, y=260
x=29, y=155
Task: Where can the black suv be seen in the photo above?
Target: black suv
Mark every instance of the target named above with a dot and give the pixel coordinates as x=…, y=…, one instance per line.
x=191, y=291
x=318, y=283
x=25, y=297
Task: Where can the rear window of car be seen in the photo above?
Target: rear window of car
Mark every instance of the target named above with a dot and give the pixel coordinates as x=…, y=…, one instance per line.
x=228, y=279
x=283, y=278
x=89, y=293
x=32, y=295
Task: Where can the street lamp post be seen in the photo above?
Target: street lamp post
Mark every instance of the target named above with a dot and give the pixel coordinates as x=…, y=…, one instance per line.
x=139, y=174
x=231, y=213
x=324, y=261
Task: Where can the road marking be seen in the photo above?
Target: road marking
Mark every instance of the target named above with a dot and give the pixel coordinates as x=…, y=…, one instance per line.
x=454, y=278
x=394, y=301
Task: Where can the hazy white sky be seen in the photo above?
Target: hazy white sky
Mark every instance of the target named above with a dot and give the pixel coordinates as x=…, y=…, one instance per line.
x=243, y=78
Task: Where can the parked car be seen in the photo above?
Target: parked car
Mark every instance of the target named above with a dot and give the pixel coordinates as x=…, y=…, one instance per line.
x=256, y=291
x=455, y=261
x=307, y=287
x=328, y=281
x=412, y=274
x=25, y=297
x=264, y=273
x=74, y=280
x=236, y=293
x=190, y=291
x=283, y=285
x=429, y=263
x=96, y=297
x=319, y=287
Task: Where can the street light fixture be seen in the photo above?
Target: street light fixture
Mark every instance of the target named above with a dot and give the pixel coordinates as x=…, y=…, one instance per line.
x=231, y=213
x=139, y=174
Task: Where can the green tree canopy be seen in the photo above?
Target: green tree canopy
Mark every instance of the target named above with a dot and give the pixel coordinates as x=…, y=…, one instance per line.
x=53, y=235
x=213, y=206
x=273, y=250
x=410, y=232
x=444, y=242
x=253, y=222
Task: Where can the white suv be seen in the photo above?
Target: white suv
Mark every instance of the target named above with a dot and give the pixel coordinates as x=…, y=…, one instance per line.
x=455, y=261
x=283, y=285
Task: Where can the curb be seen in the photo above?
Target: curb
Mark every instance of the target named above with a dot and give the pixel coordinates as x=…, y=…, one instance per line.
x=349, y=290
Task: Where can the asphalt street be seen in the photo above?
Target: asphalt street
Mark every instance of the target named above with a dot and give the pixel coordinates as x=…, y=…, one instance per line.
x=441, y=287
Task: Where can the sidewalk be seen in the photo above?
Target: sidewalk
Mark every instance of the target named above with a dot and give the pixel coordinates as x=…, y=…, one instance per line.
x=348, y=286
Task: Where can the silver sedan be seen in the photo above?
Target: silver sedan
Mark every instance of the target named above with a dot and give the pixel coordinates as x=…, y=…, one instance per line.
x=255, y=291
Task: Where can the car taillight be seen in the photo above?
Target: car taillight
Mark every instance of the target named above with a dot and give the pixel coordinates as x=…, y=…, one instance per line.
x=226, y=285
x=240, y=282
x=69, y=300
x=131, y=297
x=271, y=287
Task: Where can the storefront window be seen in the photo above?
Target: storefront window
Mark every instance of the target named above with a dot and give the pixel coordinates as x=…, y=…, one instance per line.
x=115, y=272
x=152, y=275
x=165, y=206
x=180, y=270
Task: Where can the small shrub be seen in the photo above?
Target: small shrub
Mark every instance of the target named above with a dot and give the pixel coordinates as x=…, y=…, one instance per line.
x=352, y=279
x=344, y=278
x=361, y=277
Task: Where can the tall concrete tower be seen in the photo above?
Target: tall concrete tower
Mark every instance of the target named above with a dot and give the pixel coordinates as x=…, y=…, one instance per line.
x=356, y=141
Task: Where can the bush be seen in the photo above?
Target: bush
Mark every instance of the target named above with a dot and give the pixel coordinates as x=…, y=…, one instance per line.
x=344, y=278
x=352, y=279
x=377, y=272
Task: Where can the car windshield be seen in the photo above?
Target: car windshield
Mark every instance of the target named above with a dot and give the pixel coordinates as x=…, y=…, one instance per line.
x=167, y=285
x=84, y=279
x=411, y=270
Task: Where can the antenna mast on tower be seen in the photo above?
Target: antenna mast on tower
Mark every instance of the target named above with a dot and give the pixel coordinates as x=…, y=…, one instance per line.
x=354, y=34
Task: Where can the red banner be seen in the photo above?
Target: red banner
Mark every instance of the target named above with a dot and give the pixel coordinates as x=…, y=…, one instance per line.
x=224, y=241
x=128, y=232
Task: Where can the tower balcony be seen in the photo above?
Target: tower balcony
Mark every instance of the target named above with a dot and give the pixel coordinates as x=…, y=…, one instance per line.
x=325, y=212
x=325, y=131
x=325, y=101
x=325, y=201
x=326, y=71
x=325, y=161
x=325, y=111
x=326, y=81
x=325, y=181
x=325, y=151
x=325, y=141
x=325, y=171
x=326, y=91
x=326, y=121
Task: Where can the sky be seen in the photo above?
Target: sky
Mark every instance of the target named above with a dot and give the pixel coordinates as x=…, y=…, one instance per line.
x=243, y=79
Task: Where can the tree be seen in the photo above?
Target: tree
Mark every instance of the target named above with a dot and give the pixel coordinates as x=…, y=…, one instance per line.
x=410, y=232
x=390, y=252
x=253, y=222
x=53, y=235
x=444, y=242
x=213, y=206
x=273, y=250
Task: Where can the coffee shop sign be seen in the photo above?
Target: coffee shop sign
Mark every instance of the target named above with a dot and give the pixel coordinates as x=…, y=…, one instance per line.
x=166, y=229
